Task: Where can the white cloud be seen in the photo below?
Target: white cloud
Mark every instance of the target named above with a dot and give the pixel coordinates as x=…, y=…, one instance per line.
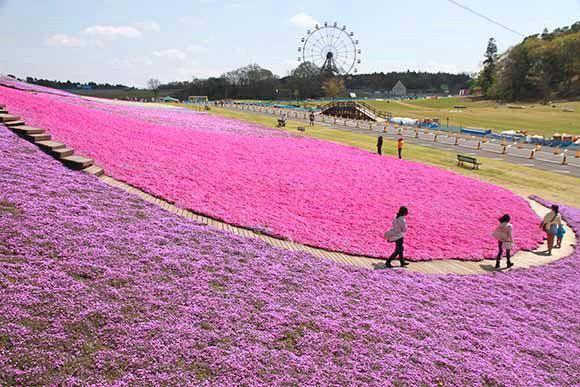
x=112, y=32
x=433, y=66
x=303, y=20
x=172, y=53
x=64, y=40
x=148, y=26
x=138, y=61
x=196, y=47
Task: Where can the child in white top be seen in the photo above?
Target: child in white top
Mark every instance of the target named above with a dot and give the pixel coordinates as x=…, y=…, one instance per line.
x=503, y=234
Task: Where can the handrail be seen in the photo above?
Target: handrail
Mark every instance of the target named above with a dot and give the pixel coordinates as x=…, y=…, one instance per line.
x=359, y=104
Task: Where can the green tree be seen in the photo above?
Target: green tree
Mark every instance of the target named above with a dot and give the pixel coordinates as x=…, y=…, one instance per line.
x=333, y=87
x=488, y=66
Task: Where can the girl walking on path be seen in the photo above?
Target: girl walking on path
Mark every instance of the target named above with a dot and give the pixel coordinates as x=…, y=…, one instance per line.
x=396, y=234
x=550, y=225
x=503, y=234
x=560, y=235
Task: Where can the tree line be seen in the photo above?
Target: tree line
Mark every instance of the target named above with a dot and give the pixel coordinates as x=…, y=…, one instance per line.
x=68, y=85
x=543, y=66
x=305, y=81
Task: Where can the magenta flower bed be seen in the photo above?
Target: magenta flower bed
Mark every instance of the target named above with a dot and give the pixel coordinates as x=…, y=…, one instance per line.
x=99, y=287
x=314, y=192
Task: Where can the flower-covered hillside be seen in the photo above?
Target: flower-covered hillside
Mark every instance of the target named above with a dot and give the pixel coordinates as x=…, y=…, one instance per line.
x=97, y=286
x=310, y=191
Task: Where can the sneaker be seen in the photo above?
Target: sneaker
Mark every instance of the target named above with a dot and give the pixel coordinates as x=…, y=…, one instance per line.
x=388, y=264
x=403, y=264
x=497, y=265
x=509, y=264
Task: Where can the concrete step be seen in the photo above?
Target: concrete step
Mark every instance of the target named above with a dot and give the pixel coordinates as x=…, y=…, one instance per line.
x=12, y=124
x=94, y=170
x=77, y=162
x=8, y=118
x=61, y=153
x=26, y=130
x=51, y=145
x=36, y=137
x=2, y=106
x=3, y=111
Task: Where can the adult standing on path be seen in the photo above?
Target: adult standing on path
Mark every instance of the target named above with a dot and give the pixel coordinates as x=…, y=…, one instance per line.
x=380, y=145
x=396, y=234
x=550, y=225
x=311, y=118
x=400, y=144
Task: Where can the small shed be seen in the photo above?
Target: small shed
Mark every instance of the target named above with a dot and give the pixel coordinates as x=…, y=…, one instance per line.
x=399, y=89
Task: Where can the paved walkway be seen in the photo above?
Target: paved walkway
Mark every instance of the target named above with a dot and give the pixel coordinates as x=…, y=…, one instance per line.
x=522, y=259
x=375, y=129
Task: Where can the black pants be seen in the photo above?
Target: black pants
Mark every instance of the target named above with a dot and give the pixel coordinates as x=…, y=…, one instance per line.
x=379, y=150
x=399, y=151
x=499, y=253
x=398, y=252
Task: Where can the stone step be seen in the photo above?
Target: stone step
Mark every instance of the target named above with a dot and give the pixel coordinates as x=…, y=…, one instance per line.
x=3, y=111
x=77, y=162
x=61, y=153
x=12, y=124
x=94, y=170
x=37, y=137
x=2, y=106
x=51, y=145
x=8, y=118
x=24, y=129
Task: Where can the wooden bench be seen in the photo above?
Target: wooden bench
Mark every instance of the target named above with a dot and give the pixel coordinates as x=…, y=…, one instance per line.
x=468, y=159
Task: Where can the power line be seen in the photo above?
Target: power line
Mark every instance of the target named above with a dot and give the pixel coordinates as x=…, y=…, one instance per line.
x=485, y=17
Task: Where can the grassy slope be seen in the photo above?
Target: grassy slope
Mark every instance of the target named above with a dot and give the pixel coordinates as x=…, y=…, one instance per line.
x=522, y=180
x=536, y=118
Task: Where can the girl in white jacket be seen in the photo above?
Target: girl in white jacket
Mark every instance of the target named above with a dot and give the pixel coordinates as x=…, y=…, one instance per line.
x=396, y=234
x=503, y=234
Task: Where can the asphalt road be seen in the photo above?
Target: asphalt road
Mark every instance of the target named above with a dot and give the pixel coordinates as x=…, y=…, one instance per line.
x=568, y=170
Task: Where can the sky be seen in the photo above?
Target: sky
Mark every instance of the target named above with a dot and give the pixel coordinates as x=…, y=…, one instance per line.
x=131, y=41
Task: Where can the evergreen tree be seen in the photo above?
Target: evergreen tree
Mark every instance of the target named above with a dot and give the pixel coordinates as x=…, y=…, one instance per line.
x=489, y=66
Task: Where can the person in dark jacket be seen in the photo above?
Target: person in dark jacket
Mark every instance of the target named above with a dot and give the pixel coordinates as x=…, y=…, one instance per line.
x=380, y=145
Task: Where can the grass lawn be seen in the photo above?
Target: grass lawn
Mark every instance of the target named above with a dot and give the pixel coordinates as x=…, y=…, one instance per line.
x=522, y=180
x=535, y=118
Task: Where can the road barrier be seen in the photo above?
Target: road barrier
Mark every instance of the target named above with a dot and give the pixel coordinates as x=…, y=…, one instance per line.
x=468, y=143
x=520, y=152
x=493, y=147
x=558, y=158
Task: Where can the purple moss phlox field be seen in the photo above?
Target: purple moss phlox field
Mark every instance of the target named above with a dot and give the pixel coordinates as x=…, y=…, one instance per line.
x=314, y=192
x=100, y=287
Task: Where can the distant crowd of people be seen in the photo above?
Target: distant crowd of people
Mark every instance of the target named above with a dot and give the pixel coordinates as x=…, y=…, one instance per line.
x=551, y=224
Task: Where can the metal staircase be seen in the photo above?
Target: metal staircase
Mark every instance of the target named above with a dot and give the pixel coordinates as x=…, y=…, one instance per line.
x=354, y=110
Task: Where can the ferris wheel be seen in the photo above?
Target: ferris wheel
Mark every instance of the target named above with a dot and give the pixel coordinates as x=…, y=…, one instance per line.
x=331, y=48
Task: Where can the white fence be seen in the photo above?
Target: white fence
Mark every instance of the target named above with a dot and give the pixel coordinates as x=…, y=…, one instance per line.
x=468, y=143
x=427, y=136
x=574, y=161
x=393, y=131
x=550, y=157
x=520, y=152
x=451, y=140
x=493, y=147
x=409, y=133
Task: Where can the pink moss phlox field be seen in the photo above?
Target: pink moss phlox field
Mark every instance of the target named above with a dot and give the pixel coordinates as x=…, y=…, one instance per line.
x=100, y=287
x=314, y=192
